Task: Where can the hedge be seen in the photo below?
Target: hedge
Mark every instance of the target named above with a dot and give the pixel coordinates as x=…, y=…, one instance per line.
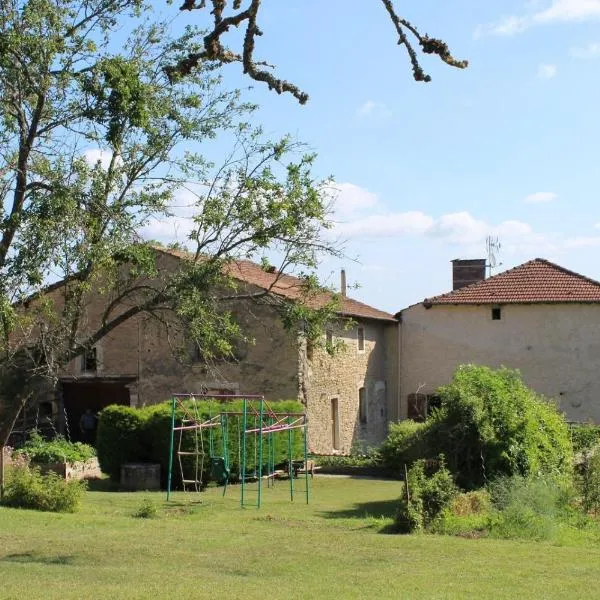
x=143, y=435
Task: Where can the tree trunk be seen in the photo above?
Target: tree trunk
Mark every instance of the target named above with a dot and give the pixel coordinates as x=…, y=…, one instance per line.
x=5, y=432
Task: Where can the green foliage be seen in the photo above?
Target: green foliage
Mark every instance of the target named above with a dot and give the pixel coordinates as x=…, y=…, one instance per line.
x=405, y=443
x=588, y=480
x=370, y=458
x=42, y=451
x=143, y=435
x=28, y=488
x=489, y=425
x=531, y=508
x=119, y=439
x=471, y=503
x=584, y=436
x=146, y=510
x=431, y=488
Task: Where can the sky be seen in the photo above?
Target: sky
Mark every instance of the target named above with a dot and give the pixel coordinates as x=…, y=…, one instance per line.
x=507, y=148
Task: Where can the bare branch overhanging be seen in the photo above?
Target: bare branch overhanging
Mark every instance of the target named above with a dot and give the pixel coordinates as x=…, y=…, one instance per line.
x=214, y=50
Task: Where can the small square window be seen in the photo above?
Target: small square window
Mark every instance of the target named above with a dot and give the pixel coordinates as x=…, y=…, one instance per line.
x=360, y=336
x=496, y=313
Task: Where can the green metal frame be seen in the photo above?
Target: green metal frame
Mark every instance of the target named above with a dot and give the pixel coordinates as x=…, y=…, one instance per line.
x=260, y=430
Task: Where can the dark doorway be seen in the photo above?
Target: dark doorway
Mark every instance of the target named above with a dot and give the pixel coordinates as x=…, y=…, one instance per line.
x=78, y=396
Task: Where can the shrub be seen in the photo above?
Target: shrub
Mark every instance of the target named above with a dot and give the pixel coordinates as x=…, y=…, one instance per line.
x=406, y=442
x=370, y=458
x=119, y=438
x=588, y=470
x=42, y=451
x=431, y=489
x=28, y=488
x=491, y=425
x=584, y=436
x=528, y=507
x=143, y=435
x=467, y=515
x=471, y=503
x=146, y=510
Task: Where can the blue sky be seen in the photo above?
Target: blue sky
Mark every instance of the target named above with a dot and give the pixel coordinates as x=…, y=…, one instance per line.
x=508, y=147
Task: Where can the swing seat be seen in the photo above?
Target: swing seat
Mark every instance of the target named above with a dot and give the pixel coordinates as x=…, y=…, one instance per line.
x=218, y=470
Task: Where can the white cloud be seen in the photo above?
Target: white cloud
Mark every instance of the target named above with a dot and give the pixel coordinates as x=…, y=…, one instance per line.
x=374, y=109
x=582, y=242
x=540, y=197
x=547, y=71
x=95, y=155
x=179, y=223
x=351, y=200
x=590, y=50
x=556, y=11
x=386, y=225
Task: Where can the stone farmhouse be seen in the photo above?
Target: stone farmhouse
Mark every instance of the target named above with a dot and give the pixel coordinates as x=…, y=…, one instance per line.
x=347, y=395
x=538, y=317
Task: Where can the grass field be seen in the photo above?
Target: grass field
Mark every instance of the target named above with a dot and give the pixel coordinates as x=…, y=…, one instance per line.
x=332, y=548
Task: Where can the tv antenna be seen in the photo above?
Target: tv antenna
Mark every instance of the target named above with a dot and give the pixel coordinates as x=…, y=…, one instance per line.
x=493, y=246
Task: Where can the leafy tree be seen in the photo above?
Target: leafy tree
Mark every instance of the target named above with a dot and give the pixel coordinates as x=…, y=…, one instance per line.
x=63, y=93
x=223, y=20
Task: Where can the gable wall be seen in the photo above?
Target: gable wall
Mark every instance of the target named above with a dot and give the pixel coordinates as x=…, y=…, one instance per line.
x=556, y=347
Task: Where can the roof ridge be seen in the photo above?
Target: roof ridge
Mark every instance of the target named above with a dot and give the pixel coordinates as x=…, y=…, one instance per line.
x=568, y=271
x=538, y=280
x=484, y=281
x=287, y=282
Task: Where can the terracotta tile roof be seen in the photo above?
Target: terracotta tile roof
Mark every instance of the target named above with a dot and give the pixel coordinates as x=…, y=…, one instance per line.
x=538, y=280
x=288, y=286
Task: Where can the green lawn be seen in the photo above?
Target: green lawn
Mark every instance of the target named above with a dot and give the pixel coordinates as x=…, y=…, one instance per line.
x=332, y=548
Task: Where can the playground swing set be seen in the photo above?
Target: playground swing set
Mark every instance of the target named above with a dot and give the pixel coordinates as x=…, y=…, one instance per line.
x=257, y=426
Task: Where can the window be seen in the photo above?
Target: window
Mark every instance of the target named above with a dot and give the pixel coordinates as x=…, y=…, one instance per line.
x=360, y=336
x=420, y=405
x=362, y=405
x=335, y=424
x=496, y=313
x=89, y=360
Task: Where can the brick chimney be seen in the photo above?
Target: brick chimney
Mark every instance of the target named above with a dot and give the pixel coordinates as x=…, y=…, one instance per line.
x=343, y=282
x=466, y=272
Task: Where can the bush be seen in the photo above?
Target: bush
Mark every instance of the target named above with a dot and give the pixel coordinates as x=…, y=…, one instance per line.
x=370, y=458
x=28, y=488
x=491, y=425
x=530, y=508
x=405, y=443
x=146, y=510
x=471, y=503
x=431, y=489
x=143, y=435
x=42, y=451
x=119, y=438
x=584, y=436
x=588, y=480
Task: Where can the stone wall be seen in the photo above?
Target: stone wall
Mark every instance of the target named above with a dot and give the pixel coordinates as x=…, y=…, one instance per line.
x=340, y=377
x=274, y=363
